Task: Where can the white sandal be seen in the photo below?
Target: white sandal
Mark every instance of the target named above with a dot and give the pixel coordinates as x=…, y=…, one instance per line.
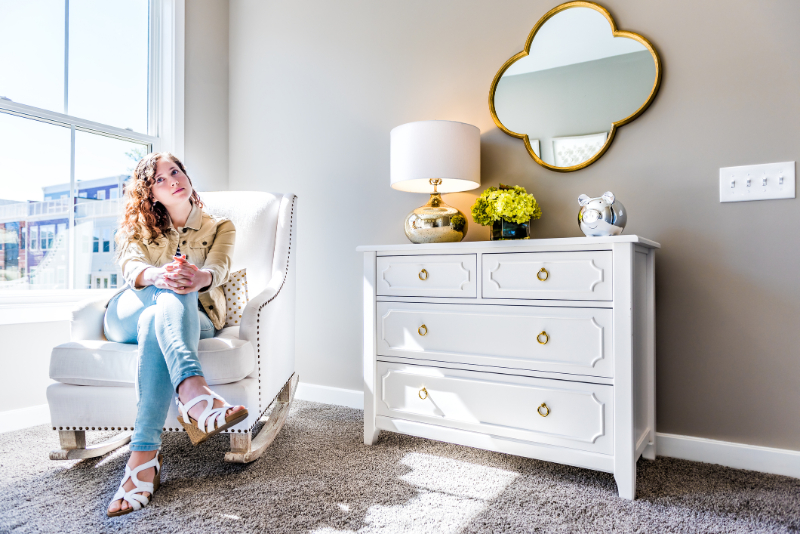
x=212, y=420
x=132, y=497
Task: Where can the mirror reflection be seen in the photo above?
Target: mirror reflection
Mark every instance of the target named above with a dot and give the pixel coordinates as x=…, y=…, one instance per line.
x=577, y=80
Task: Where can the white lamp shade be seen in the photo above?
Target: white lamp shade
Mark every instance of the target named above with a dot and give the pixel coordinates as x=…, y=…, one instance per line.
x=436, y=149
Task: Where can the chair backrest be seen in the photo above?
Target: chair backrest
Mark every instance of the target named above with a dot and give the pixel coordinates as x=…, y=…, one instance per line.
x=255, y=216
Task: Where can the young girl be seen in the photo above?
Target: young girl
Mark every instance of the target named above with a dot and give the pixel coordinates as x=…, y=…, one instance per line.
x=174, y=258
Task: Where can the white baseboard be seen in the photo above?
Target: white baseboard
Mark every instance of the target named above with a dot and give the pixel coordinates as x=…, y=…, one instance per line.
x=764, y=459
x=352, y=398
x=767, y=460
x=24, y=418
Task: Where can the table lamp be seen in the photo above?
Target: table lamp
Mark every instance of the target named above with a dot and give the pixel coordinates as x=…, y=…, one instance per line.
x=435, y=157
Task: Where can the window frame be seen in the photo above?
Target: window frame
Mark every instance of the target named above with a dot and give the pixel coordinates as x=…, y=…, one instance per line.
x=165, y=133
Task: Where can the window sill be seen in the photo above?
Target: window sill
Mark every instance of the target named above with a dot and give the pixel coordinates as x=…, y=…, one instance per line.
x=40, y=306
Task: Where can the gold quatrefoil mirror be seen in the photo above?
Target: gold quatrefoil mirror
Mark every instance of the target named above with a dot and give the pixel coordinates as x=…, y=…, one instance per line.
x=577, y=80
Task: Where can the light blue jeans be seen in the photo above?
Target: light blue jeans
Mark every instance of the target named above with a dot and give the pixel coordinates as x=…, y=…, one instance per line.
x=168, y=328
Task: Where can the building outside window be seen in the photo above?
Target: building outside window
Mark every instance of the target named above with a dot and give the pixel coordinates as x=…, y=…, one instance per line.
x=75, y=118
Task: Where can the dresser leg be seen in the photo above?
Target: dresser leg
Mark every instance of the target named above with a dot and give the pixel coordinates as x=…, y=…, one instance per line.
x=626, y=484
x=649, y=452
x=370, y=434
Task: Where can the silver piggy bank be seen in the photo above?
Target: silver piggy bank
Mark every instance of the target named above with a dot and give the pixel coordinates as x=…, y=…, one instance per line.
x=603, y=215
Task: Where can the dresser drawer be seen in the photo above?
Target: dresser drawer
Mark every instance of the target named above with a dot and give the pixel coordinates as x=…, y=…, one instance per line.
x=575, y=415
x=562, y=340
x=427, y=276
x=584, y=275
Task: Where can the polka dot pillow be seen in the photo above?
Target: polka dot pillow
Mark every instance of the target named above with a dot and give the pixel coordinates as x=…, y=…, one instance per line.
x=236, y=297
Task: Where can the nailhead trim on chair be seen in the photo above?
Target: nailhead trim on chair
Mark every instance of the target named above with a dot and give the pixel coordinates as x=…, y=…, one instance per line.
x=258, y=320
x=93, y=428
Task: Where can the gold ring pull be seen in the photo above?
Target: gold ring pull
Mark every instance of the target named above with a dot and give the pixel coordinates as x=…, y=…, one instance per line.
x=421, y=332
x=546, y=337
x=425, y=391
x=423, y=271
x=543, y=271
x=546, y=410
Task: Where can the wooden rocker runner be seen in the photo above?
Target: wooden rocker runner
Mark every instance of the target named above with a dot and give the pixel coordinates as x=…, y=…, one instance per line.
x=245, y=447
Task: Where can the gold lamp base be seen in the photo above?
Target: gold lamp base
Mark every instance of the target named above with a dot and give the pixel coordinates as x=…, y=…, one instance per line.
x=436, y=222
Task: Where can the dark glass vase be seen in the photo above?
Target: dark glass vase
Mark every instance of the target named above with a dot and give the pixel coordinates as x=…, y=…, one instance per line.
x=508, y=230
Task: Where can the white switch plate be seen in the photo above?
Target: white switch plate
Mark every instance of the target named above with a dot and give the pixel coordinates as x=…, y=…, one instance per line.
x=756, y=182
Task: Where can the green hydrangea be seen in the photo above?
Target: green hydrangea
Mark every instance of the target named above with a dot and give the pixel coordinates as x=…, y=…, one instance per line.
x=512, y=204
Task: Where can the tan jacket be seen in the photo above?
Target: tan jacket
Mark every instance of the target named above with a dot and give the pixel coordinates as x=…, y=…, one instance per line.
x=207, y=242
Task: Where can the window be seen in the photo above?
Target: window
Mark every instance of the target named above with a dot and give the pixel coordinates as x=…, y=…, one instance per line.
x=34, y=238
x=114, y=280
x=74, y=119
x=47, y=235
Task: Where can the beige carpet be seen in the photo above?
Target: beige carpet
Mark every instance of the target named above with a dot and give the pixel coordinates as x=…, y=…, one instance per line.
x=319, y=477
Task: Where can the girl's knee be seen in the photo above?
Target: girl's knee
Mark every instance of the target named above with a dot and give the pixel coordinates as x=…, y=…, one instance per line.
x=169, y=296
x=147, y=321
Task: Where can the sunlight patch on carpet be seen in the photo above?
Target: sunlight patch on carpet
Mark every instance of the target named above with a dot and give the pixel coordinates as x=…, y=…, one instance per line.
x=450, y=494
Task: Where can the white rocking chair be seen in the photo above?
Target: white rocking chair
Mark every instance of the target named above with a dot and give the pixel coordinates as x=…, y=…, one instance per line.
x=251, y=364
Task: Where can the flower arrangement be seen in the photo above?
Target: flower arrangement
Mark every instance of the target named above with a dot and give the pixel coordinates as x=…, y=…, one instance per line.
x=508, y=203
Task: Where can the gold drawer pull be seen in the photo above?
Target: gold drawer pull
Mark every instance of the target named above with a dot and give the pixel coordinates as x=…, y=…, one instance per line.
x=425, y=391
x=543, y=271
x=423, y=272
x=546, y=410
x=421, y=332
x=546, y=337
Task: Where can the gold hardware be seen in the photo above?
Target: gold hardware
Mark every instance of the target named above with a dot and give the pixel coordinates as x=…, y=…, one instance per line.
x=614, y=125
x=546, y=337
x=423, y=390
x=423, y=271
x=547, y=410
x=420, y=332
x=546, y=274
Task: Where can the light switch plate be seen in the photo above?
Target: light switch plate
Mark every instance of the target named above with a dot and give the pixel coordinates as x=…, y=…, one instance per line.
x=757, y=182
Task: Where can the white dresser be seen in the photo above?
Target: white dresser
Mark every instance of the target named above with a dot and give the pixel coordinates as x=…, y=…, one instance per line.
x=542, y=348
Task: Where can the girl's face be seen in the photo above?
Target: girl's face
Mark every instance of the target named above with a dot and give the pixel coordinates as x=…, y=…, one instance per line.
x=171, y=186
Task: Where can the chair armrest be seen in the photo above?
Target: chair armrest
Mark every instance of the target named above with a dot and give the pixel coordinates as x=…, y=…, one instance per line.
x=268, y=320
x=87, y=319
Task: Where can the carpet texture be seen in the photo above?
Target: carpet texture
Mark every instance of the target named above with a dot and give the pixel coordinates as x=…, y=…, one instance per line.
x=319, y=477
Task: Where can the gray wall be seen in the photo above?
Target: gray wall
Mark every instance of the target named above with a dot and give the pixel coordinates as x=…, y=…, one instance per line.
x=316, y=86
x=578, y=99
x=206, y=94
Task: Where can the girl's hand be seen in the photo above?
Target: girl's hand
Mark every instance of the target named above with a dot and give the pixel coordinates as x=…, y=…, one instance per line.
x=183, y=277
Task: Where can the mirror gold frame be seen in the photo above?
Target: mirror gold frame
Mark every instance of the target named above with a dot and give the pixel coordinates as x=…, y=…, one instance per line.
x=614, y=125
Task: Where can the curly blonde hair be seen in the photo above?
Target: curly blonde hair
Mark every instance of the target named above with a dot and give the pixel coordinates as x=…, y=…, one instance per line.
x=143, y=217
